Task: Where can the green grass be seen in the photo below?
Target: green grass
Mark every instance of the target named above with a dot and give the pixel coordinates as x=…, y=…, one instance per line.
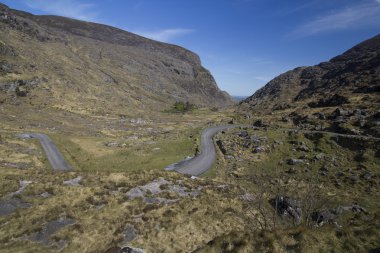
x=154, y=156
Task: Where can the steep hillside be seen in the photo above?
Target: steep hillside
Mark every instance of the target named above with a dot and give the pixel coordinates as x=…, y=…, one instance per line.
x=357, y=71
x=77, y=66
x=341, y=94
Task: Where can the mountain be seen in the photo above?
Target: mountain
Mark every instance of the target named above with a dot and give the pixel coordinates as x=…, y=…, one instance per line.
x=57, y=62
x=239, y=98
x=343, y=78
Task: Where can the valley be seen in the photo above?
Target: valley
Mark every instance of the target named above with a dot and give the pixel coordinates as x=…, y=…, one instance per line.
x=112, y=142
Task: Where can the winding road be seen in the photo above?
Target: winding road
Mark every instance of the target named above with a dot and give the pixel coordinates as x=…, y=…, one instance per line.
x=194, y=166
x=202, y=162
x=55, y=157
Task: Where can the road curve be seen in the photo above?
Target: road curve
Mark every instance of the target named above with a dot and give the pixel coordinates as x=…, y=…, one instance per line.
x=55, y=157
x=202, y=162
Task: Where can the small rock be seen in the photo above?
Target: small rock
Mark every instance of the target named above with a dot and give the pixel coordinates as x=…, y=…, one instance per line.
x=248, y=197
x=323, y=216
x=294, y=161
x=354, y=179
x=45, y=195
x=366, y=175
x=131, y=250
x=73, y=182
x=319, y=156
x=129, y=233
x=303, y=148
x=259, y=150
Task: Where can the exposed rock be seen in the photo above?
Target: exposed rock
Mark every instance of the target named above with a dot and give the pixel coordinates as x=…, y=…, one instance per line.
x=124, y=250
x=23, y=185
x=294, y=161
x=248, y=197
x=20, y=166
x=131, y=250
x=45, y=195
x=74, y=181
x=221, y=147
x=366, y=175
x=129, y=233
x=288, y=207
x=324, y=216
x=329, y=215
x=20, y=88
x=260, y=149
x=9, y=206
x=303, y=148
x=335, y=100
x=160, y=186
x=50, y=229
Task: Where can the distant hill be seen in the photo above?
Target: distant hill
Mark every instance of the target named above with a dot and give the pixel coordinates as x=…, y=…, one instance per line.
x=239, y=98
x=51, y=61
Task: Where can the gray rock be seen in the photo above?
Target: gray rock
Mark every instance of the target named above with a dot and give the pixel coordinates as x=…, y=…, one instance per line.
x=49, y=229
x=366, y=175
x=45, y=195
x=303, y=148
x=23, y=185
x=294, y=161
x=260, y=149
x=158, y=186
x=131, y=250
x=9, y=206
x=74, y=181
x=129, y=233
x=286, y=206
x=322, y=217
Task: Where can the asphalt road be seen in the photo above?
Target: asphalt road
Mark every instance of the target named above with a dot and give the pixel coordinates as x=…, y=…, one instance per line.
x=202, y=162
x=55, y=157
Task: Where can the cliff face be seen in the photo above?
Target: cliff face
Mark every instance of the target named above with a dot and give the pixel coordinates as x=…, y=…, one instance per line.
x=52, y=61
x=355, y=72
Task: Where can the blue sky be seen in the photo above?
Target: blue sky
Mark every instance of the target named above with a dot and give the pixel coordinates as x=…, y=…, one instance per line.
x=244, y=43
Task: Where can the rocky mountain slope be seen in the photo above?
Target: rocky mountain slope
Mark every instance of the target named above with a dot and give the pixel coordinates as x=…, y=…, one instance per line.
x=342, y=91
x=50, y=61
x=356, y=71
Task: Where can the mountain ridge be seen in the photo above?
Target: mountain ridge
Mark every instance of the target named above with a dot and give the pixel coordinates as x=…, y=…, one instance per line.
x=77, y=65
x=357, y=68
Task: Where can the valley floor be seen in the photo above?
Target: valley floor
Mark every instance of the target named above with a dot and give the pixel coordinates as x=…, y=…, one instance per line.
x=272, y=189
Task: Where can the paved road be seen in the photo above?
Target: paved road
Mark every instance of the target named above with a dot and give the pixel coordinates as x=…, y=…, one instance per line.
x=55, y=157
x=202, y=162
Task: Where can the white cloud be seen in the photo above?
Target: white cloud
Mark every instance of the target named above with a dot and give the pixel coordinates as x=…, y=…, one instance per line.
x=67, y=8
x=362, y=15
x=166, y=35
